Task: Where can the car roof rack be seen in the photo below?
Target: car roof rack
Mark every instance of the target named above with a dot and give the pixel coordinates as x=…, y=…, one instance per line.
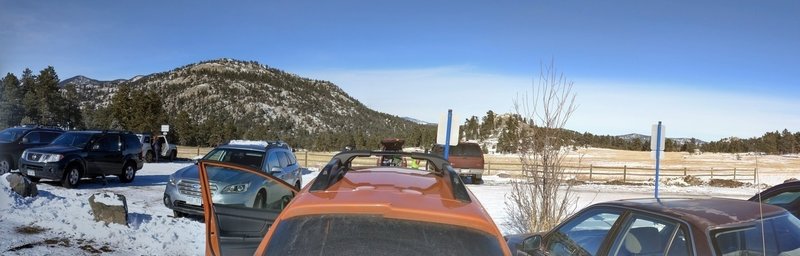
x=264, y=143
x=341, y=163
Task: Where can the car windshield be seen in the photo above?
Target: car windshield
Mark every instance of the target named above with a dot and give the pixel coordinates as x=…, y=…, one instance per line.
x=460, y=150
x=72, y=139
x=11, y=134
x=246, y=157
x=376, y=235
x=779, y=238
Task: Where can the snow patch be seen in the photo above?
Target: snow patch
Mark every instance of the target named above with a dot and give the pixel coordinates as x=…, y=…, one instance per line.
x=108, y=198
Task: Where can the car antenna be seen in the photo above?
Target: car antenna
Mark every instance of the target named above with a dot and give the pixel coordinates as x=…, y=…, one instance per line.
x=760, y=210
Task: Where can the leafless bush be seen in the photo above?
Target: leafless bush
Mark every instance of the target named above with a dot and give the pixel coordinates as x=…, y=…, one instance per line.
x=543, y=197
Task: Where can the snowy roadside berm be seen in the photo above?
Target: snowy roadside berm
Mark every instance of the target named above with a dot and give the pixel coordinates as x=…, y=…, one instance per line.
x=21, y=185
x=109, y=208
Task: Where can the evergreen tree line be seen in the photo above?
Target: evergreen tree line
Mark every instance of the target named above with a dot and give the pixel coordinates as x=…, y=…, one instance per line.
x=510, y=129
x=775, y=142
x=37, y=99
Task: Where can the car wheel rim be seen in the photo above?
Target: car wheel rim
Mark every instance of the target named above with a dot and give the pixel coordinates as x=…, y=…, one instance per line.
x=4, y=167
x=129, y=172
x=73, y=176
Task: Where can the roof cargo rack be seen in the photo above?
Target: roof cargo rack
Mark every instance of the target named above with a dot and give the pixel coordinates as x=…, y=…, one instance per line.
x=341, y=163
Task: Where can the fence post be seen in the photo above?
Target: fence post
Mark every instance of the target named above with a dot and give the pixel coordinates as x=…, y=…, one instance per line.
x=625, y=173
x=734, y=173
x=755, y=173
x=712, y=173
x=198, y=151
x=306, y=165
x=489, y=169
x=684, y=171
x=590, y=172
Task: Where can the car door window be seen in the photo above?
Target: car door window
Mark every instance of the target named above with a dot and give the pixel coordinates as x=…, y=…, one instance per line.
x=33, y=138
x=244, y=205
x=272, y=161
x=646, y=235
x=108, y=143
x=283, y=159
x=584, y=234
x=47, y=137
x=292, y=160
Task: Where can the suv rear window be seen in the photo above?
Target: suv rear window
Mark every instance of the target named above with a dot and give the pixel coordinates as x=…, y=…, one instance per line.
x=780, y=235
x=375, y=235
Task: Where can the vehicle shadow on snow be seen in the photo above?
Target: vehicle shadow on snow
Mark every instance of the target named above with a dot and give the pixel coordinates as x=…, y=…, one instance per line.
x=137, y=219
x=114, y=182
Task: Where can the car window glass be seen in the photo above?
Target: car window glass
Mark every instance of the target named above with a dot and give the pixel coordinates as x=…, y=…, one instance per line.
x=291, y=158
x=783, y=198
x=11, y=134
x=680, y=245
x=584, y=234
x=283, y=159
x=215, y=155
x=33, y=137
x=108, y=143
x=644, y=235
x=779, y=238
x=273, y=160
x=131, y=142
x=47, y=137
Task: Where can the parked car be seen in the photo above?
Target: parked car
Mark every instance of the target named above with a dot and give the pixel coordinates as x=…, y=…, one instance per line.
x=167, y=150
x=466, y=158
x=668, y=227
x=275, y=158
x=347, y=210
x=14, y=140
x=786, y=195
x=84, y=154
x=392, y=144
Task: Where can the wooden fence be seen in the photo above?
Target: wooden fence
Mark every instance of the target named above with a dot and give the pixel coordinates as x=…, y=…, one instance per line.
x=584, y=173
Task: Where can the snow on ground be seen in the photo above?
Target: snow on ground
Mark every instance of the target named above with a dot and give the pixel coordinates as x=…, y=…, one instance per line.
x=68, y=225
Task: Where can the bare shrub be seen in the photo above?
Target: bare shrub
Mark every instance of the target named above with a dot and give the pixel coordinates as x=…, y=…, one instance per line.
x=542, y=197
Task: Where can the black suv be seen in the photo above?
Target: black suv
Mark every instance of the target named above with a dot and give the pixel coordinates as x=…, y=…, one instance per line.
x=84, y=154
x=14, y=140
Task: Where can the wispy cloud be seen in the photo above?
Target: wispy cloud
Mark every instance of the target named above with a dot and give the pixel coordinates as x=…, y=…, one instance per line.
x=605, y=107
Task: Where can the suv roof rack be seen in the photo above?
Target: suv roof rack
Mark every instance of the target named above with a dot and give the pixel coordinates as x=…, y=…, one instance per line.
x=55, y=127
x=341, y=163
x=264, y=143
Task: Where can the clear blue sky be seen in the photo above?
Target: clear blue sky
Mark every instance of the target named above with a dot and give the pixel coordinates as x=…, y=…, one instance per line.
x=708, y=69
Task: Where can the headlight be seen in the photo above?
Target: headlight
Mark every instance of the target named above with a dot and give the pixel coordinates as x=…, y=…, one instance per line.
x=43, y=158
x=236, y=188
x=172, y=180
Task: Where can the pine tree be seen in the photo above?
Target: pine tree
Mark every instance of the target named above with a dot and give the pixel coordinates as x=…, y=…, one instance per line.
x=488, y=125
x=73, y=117
x=11, y=111
x=48, y=98
x=30, y=102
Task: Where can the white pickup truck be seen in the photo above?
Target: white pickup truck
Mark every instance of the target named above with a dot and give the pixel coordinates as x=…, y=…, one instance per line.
x=168, y=151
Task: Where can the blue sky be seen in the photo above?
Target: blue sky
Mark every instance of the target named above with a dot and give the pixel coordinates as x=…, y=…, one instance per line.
x=708, y=69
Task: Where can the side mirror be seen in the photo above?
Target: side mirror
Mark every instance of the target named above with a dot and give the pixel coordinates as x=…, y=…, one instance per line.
x=96, y=147
x=275, y=170
x=24, y=140
x=531, y=245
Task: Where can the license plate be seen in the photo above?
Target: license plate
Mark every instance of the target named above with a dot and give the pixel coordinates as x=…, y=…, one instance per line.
x=194, y=201
x=31, y=173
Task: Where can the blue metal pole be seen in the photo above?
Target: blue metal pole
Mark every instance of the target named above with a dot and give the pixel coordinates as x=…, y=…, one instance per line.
x=658, y=154
x=447, y=137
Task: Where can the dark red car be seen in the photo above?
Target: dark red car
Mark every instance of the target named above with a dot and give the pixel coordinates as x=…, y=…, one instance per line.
x=668, y=227
x=466, y=158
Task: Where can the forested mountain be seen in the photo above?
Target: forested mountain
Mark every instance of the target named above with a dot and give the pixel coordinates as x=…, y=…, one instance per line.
x=210, y=102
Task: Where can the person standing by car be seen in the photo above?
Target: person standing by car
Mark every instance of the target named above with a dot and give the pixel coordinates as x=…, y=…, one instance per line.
x=156, y=149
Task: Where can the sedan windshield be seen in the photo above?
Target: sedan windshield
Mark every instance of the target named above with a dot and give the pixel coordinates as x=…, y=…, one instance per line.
x=11, y=134
x=376, y=235
x=72, y=139
x=245, y=157
x=779, y=238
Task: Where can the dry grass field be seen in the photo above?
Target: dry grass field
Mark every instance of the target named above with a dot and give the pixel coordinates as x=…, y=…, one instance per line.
x=606, y=164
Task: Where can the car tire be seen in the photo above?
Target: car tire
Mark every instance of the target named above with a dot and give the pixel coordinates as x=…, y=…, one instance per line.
x=33, y=179
x=177, y=214
x=128, y=173
x=72, y=176
x=172, y=156
x=5, y=165
x=148, y=157
x=261, y=200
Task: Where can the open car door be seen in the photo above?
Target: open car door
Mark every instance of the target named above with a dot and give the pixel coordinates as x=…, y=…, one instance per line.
x=240, y=204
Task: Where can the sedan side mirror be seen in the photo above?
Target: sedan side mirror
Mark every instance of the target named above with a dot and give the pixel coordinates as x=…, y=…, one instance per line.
x=275, y=170
x=531, y=245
